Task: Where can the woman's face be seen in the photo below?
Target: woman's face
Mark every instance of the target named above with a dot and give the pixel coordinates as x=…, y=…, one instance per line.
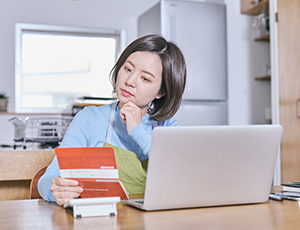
x=139, y=79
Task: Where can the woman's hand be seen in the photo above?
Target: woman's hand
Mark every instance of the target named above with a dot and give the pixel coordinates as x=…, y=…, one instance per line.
x=131, y=114
x=64, y=190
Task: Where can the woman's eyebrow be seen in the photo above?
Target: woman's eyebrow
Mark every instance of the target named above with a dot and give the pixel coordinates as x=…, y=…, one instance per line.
x=129, y=62
x=145, y=71
x=149, y=73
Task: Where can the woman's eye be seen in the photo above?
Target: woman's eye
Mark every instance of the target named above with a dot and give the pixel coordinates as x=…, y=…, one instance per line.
x=127, y=69
x=145, y=79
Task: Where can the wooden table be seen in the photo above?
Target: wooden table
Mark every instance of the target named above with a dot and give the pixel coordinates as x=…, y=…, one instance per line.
x=38, y=214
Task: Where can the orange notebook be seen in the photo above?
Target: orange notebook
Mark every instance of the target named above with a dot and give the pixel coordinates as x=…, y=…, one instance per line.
x=95, y=169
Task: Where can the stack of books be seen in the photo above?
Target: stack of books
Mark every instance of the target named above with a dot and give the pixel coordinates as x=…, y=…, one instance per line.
x=291, y=189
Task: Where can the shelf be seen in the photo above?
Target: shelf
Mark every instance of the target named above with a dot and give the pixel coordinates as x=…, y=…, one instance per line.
x=263, y=38
x=252, y=8
x=264, y=78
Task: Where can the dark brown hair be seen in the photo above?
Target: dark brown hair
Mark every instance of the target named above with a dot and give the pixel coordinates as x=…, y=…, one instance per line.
x=173, y=74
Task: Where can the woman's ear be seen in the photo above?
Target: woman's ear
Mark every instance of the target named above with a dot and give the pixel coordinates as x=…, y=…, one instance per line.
x=160, y=95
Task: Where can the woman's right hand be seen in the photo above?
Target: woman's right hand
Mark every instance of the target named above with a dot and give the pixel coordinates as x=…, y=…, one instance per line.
x=131, y=114
x=65, y=190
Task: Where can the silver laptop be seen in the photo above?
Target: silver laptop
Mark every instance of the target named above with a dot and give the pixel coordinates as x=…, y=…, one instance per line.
x=200, y=166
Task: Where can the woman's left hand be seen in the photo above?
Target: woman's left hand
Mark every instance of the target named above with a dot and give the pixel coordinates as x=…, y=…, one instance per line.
x=131, y=114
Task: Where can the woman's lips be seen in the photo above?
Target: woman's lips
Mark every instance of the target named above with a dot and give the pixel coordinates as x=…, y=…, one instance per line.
x=126, y=93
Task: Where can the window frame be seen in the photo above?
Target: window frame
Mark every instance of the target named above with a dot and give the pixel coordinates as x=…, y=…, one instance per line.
x=20, y=28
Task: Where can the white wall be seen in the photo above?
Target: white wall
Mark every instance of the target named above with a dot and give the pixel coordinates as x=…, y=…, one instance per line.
x=246, y=60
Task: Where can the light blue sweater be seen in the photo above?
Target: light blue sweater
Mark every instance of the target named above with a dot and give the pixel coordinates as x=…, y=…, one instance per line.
x=89, y=129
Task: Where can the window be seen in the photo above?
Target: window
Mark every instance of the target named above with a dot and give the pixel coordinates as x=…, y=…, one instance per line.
x=55, y=65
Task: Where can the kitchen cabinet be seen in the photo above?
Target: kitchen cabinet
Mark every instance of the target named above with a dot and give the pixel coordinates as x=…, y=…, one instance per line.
x=17, y=169
x=289, y=87
x=285, y=85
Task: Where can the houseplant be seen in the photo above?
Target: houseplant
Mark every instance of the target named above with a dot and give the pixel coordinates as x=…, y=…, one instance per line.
x=3, y=101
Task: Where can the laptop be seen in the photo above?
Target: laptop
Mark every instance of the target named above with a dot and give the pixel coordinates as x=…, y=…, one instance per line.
x=203, y=166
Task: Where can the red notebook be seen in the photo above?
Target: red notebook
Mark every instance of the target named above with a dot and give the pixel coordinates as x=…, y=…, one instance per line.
x=95, y=169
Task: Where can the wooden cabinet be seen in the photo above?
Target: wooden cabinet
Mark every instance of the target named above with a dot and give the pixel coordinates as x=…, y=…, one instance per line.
x=287, y=87
x=17, y=169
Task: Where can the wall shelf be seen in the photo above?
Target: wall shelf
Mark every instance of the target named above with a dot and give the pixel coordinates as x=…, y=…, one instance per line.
x=263, y=38
x=264, y=78
x=252, y=8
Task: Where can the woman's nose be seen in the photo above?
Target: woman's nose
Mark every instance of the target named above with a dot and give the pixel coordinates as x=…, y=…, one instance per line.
x=131, y=80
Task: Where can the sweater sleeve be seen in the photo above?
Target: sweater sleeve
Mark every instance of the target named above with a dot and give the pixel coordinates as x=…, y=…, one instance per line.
x=45, y=181
x=143, y=138
x=74, y=137
x=79, y=134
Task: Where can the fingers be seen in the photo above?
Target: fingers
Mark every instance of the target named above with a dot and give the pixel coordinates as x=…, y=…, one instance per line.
x=130, y=111
x=64, y=182
x=131, y=114
x=64, y=190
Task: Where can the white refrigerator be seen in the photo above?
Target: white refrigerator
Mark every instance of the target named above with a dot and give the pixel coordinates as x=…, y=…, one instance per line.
x=199, y=29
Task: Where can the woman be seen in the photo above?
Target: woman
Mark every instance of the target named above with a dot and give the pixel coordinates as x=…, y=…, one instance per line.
x=149, y=80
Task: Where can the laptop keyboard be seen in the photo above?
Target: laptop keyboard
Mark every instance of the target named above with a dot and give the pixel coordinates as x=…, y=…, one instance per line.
x=139, y=201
